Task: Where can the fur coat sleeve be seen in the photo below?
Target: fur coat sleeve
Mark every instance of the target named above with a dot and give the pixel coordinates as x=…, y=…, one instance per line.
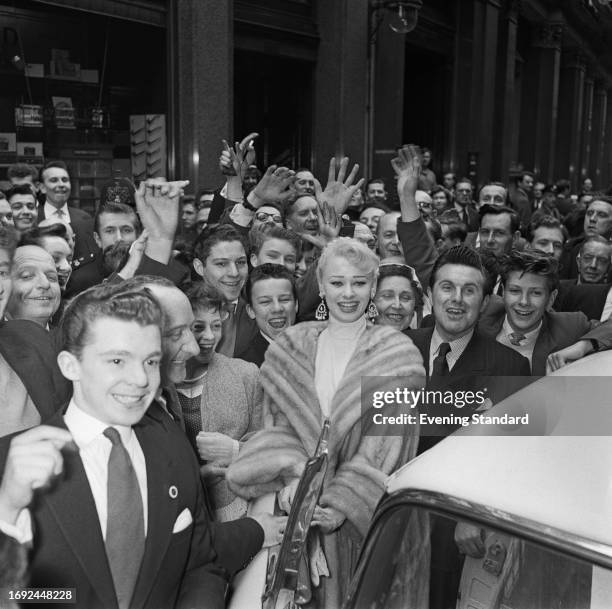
x=358, y=463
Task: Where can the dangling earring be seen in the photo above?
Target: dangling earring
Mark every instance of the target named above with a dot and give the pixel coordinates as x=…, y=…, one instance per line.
x=372, y=312
x=322, y=311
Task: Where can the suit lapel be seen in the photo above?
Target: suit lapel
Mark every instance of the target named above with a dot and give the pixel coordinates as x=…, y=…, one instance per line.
x=422, y=341
x=544, y=345
x=73, y=507
x=161, y=510
x=472, y=360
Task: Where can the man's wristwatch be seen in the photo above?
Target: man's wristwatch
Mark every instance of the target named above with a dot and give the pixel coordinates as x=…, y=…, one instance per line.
x=247, y=205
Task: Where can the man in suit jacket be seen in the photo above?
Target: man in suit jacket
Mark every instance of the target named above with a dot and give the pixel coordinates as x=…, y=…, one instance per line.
x=465, y=205
x=455, y=355
x=55, y=187
x=158, y=551
x=30, y=381
x=523, y=322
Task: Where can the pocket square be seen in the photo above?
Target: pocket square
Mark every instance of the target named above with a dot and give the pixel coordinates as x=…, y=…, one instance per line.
x=183, y=520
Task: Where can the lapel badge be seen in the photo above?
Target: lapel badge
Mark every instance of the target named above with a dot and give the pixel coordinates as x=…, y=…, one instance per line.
x=173, y=492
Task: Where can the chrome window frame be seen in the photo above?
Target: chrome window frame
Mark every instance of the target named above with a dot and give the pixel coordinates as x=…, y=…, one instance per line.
x=561, y=541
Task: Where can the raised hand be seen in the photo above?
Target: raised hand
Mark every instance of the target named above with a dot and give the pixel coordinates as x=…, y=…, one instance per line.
x=235, y=161
x=274, y=186
x=157, y=202
x=339, y=191
x=33, y=459
x=330, y=224
x=137, y=250
x=407, y=166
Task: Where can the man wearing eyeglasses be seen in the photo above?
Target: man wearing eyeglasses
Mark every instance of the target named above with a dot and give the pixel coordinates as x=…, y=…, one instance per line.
x=267, y=214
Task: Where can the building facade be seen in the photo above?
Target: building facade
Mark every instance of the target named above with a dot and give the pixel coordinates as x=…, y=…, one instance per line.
x=490, y=86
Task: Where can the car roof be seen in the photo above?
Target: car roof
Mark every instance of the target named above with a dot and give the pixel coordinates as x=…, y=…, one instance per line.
x=561, y=479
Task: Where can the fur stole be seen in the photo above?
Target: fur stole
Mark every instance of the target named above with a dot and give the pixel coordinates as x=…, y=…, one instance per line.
x=358, y=464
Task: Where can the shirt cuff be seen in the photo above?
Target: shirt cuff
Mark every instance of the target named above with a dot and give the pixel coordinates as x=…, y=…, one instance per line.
x=241, y=215
x=21, y=531
x=235, y=449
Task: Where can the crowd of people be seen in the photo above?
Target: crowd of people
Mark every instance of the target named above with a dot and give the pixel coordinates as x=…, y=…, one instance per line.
x=176, y=356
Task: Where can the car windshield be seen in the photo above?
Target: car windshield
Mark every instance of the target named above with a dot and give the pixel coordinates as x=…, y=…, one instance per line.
x=418, y=559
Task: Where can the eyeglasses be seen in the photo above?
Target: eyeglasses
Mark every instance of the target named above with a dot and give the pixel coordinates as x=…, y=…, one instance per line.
x=263, y=216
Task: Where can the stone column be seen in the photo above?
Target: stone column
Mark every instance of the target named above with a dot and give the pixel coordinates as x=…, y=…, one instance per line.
x=540, y=100
x=606, y=177
x=506, y=100
x=587, y=127
x=600, y=108
x=201, y=87
x=569, y=132
x=340, y=92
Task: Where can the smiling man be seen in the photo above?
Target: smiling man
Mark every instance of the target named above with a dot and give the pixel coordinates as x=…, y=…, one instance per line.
x=272, y=303
x=221, y=261
x=454, y=352
x=141, y=536
x=22, y=200
x=526, y=322
x=56, y=187
x=36, y=290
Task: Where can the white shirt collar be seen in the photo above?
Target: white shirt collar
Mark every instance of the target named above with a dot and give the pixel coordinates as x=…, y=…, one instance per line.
x=266, y=337
x=50, y=211
x=530, y=336
x=86, y=428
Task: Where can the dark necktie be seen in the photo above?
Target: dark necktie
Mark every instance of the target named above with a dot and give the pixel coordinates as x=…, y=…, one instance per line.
x=516, y=338
x=227, y=344
x=440, y=365
x=125, y=537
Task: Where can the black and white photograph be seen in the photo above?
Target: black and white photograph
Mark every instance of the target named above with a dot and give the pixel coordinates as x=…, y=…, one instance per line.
x=306, y=304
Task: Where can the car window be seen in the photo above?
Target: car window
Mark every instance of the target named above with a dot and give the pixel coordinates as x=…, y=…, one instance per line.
x=417, y=559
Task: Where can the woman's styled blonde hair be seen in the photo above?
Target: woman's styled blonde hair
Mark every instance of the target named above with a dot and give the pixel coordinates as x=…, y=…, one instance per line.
x=353, y=251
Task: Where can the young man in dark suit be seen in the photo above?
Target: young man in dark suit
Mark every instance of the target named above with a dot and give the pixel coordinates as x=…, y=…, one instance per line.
x=272, y=303
x=524, y=321
x=141, y=536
